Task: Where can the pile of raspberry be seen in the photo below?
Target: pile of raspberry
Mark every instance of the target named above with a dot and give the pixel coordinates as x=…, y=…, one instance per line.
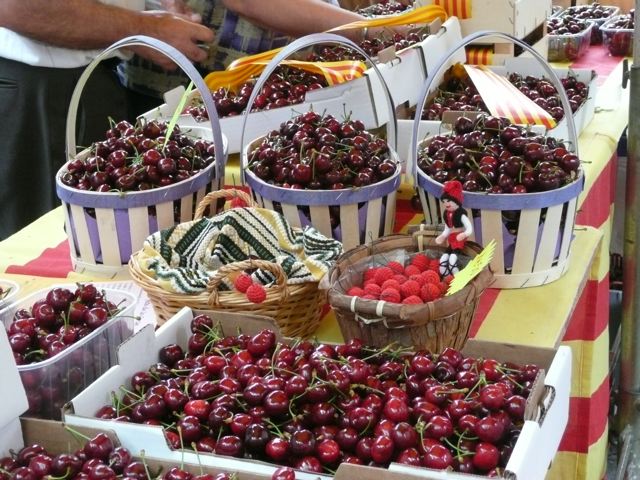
x=416, y=283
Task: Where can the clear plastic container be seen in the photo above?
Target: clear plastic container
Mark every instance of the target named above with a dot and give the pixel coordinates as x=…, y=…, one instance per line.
x=53, y=382
x=619, y=41
x=556, y=10
x=596, y=35
x=569, y=47
x=9, y=291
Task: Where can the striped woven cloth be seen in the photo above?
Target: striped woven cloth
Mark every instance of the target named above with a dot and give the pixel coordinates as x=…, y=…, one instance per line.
x=183, y=258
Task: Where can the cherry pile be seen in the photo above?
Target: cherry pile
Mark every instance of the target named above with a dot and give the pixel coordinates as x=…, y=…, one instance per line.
x=135, y=158
x=416, y=283
x=57, y=321
x=318, y=152
x=371, y=46
x=460, y=94
x=489, y=154
x=383, y=8
x=286, y=86
x=593, y=11
x=618, y=35
x=566, y=26
x=98, y=459
x=312, y=406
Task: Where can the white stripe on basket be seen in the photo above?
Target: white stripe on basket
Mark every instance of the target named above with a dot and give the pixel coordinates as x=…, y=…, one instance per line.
x=186, y=209
x=292, y=215
x=569, y=221
x=352, y=307
x=526, y=241
x=549, y=240
x=491, y=222
x=139, y=226
x=390, y=213
x=379, y=307
x=321, y=220
x=350, y=226
x=82, y=234
x=372, y=227
x=108, y=233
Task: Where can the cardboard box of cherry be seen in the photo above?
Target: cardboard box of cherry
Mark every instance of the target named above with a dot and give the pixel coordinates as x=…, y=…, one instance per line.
x=248, y=400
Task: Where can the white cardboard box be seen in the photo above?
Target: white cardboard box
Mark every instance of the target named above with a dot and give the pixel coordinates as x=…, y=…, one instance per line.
x=516, y=17
x=532, y=455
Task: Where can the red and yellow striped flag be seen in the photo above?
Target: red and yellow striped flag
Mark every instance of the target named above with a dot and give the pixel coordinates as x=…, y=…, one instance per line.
x=456, y=8
x=479, y=55
x=503, y=99
x=333, y=72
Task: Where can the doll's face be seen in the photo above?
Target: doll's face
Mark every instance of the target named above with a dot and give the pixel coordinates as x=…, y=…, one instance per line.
x=449, y=205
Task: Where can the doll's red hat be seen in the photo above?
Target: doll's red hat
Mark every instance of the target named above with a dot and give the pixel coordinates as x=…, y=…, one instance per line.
x=453, y=191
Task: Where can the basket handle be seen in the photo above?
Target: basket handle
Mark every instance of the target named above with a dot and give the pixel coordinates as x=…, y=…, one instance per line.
x=444, y=61
x=229, y=194
x=182, y=61
x=308, y=41
x=223, y=272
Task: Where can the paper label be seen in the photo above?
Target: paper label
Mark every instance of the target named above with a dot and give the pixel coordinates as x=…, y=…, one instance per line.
x=473, y=268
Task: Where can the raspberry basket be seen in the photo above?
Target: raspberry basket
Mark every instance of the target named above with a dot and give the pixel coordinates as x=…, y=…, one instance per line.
x=365, y=213
x=105, y=228
x=435, y=325
x=534, y=248
x=296, y=309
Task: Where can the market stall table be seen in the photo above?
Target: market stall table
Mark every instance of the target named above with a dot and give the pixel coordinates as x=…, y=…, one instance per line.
x=572, y=310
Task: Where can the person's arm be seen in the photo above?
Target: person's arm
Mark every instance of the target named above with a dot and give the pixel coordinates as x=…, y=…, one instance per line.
x=295, y=18
x=88, y=24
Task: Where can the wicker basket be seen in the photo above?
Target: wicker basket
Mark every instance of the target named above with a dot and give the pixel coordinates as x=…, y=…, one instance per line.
x=433, y=326
x=295, y=308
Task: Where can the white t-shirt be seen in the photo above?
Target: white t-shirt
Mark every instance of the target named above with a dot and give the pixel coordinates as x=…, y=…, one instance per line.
x=14, y=46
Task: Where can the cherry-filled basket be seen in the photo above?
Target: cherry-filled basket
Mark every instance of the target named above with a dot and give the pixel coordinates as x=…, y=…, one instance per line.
x=106, y=227
x=352, y=213
x=533, y=228
x=433, y=325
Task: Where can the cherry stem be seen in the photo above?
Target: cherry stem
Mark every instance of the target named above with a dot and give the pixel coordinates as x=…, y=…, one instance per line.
x=76, y=434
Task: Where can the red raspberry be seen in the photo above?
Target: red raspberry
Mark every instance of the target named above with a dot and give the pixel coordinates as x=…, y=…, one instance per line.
x=237, y=202
x=430, y=277
x=430, y=292
x=369, y=297
x=412, y=270
x=444, y=286
x=383, y=273
x=417, y=278
x=371, y=281
x=355, y=292
x=256, y=293
x=372, y=289
x=391, y=283
x=448, y=279
x=421, y=261
x=390, y=295
x=369, y=274
x=410, y=288
x=396, y=267
x=242, y=282
x=434, y=265
x=400, y=279
x=412, y=300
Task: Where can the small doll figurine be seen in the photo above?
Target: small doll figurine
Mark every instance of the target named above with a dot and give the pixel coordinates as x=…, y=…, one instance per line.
x=457, y=226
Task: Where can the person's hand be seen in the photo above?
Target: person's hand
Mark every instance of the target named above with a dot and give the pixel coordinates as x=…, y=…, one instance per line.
x=180, y=8
x=179, y=32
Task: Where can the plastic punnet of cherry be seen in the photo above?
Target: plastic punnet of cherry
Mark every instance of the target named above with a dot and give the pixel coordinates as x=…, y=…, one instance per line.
x=309, y=406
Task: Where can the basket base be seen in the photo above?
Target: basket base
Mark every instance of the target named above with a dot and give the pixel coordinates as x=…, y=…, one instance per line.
x=80, y=266
x=526, y=280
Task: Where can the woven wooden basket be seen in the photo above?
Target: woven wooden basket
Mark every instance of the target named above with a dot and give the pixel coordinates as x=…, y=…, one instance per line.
x=433, y=326
x=295, y=308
